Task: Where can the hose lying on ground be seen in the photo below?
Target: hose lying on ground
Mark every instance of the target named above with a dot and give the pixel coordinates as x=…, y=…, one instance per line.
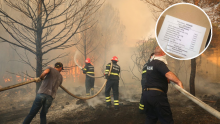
x=197, y=101
x=17, y=85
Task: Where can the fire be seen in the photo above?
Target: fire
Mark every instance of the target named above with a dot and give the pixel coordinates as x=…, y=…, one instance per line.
x=74, y=72
x=7, y=79
x=17, y=78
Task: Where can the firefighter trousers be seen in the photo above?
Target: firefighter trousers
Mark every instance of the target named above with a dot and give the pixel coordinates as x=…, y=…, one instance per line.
x=112, y=84
x=89, y=85
x=157, y=107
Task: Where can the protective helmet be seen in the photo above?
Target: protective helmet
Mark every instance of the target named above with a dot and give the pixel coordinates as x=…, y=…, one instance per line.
x=115, y=58
x=88, y=60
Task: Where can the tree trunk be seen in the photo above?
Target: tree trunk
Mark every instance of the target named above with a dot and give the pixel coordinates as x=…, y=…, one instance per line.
x=38, y=44
x=192, y=76
x=193, y=68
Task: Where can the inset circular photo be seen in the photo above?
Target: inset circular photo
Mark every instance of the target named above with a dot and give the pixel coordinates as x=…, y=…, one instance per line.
x=183, y=31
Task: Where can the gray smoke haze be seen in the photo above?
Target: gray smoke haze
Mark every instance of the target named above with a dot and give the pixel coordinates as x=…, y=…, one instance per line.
x=137, y=19
x=139, y=23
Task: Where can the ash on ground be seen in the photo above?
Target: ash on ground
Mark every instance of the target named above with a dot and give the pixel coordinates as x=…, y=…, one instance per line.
x=16, y=103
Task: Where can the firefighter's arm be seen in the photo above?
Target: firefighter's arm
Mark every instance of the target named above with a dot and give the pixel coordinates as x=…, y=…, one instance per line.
x=84, y=70
x=107, y=70
x=172, y=77
x=45, y=72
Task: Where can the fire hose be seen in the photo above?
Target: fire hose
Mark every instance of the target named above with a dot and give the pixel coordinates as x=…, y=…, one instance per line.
x=27, y=82
x=184, y=92
x=197, y=101
x=17, y=85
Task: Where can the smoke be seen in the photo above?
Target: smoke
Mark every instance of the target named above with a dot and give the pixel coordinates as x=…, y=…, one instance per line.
x=95, y=101
x=136, y=23
x=137, y=19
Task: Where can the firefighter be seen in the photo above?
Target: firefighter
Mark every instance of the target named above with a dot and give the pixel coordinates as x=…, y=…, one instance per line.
x=143, y=83
x=89, y=69
x=112, y=82
x=155, y=99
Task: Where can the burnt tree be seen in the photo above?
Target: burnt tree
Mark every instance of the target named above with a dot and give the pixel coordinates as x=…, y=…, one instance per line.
x=40, y=27
x=111, y=28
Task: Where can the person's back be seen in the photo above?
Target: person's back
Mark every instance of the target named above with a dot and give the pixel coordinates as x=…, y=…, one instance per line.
x=51, y=82
x=155, y=76
x=114, y=75
x=88, y=69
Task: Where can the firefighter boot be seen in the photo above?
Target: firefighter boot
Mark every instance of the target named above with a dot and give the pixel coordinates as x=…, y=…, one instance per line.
x=92, y=91
x=116, y=104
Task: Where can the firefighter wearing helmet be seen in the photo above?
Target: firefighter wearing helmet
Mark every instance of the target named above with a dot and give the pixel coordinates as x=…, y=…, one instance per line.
x=112, y=83
x=89, y=69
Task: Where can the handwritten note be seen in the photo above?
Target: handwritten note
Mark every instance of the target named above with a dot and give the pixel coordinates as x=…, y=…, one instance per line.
x=180, y=37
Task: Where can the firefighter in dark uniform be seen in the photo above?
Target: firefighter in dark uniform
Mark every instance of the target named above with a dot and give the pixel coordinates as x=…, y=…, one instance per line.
x=143, y=83
x=89, y=69
x=155, y=91
x=112, y=82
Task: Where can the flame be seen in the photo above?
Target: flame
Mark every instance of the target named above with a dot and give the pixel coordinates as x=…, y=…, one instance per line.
x=18, y=78
x=7, y=79
x=74, y=72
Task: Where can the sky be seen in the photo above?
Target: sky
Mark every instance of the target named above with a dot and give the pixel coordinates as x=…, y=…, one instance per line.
x=137, y=19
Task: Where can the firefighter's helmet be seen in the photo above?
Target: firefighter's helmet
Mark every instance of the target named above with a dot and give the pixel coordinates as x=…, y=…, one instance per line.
x=115, y=58
x=88, y=60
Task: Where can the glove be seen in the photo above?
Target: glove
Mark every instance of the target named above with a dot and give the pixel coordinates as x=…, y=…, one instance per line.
x=37, y=79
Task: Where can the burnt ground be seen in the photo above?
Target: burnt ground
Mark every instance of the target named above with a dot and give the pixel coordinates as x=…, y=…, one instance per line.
x=15, y=105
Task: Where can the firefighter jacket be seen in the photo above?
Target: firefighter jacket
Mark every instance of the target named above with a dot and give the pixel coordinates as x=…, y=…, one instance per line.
x=88, y=69
x=114, y=75
x=144, y=71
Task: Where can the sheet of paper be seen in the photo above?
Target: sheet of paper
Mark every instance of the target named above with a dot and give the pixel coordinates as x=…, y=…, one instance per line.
x=180, y=37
